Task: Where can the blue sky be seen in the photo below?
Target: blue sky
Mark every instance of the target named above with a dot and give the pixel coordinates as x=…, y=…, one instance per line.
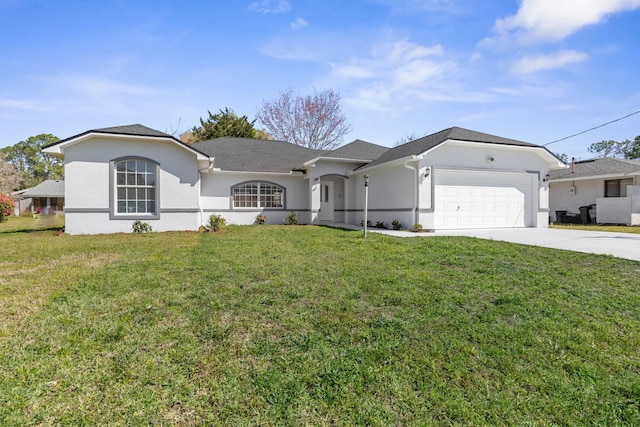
x=534, y=70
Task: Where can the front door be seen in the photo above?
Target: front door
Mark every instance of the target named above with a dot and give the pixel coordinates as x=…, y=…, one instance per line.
x=326, y=202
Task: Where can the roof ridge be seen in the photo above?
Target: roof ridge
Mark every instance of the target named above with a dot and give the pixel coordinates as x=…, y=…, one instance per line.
x=635, y=162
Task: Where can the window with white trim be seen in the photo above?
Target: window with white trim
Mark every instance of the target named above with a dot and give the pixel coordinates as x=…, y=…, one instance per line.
x=258, y=194
x=136, y=187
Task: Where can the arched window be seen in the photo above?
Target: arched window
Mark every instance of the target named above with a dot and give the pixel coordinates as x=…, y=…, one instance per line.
x=136, y=187
x=257, y=194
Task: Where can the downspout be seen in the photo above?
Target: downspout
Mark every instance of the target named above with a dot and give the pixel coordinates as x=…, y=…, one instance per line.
x=414, y=208
x=208, y=169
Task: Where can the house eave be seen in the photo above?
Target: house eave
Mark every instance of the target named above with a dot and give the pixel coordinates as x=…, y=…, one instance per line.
x=312, y=163
x=399, y=161
x=234, y=172
x=602, y=176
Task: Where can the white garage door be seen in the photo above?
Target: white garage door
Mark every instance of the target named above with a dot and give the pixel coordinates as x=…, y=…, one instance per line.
x=474, y=199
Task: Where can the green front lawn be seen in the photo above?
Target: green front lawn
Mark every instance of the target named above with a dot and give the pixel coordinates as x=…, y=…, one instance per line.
x=593, y=227
x=28, y=223
x=302, y=325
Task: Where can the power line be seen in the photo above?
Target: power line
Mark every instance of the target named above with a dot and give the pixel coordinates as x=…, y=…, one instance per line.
x=593, y=128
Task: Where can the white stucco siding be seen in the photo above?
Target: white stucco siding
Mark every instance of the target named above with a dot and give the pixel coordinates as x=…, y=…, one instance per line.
x=99, y=223
x=477, y=156
x=562, y=198
x=392, y=191
x=88, y=187
x=86, y=180
x=217, y=197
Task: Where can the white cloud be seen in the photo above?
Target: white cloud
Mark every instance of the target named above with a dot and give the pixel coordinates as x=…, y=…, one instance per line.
x=553, y=20
x=18, y=104
x=270, y=6
x=352, y=71
x=534, y=63
x=476, y=57
x=299, y=23
x=394, y=72
x=94, y=86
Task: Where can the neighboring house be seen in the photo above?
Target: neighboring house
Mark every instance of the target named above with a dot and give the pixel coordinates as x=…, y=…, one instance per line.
x=611, y=184
x=455, y=178
x=46, y=197
x=23, y=204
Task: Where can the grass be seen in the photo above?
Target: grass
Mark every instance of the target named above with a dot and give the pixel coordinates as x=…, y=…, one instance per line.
x=594, y=227
x=299, y=325
x=31, y=223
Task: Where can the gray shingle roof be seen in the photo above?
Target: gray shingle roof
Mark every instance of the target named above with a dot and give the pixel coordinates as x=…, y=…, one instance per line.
x=358, y=149
x=597, y=167
x=48, y=188
x=256, y=155
x=430, y=141
x=136, y=129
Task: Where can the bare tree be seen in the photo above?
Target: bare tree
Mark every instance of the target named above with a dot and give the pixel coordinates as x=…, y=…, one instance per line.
x=11, y=179
x=314, y=121
x=408, y=138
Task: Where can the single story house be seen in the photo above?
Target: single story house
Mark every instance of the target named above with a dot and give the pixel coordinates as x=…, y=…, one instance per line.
x=23, y=204
x=45, y=198
x=607, y=188
x=455, y=178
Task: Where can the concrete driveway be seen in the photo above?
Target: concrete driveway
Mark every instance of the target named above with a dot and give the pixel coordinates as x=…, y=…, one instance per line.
x=622, y=245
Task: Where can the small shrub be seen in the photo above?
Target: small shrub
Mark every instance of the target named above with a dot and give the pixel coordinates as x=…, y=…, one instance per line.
x=6, y=207
x=380, y=224
x=217, y=222
x=260, y=219
x=140, y=227
x=396, y=225
x=417, y=227
x=362, y=223
x=291, y=219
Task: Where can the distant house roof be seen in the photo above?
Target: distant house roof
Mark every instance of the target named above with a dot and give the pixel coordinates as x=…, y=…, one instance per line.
x=428, y=142
x=256, y=155
x=131, y=130
x=48, y=188
x=606, y=166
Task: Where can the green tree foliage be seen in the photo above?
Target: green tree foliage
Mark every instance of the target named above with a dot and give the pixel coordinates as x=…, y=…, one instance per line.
x=28, y=159
x=627, y=149
x=563, y=157
x=224, y=123
x=603, y=148
x=631, y=149
x=314, y=121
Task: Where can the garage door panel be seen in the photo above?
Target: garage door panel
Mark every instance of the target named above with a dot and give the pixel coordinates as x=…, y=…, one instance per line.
x=479, y=199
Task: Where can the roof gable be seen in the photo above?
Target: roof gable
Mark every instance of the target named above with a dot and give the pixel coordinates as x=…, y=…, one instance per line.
x=426, y=143
x=135, y=130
